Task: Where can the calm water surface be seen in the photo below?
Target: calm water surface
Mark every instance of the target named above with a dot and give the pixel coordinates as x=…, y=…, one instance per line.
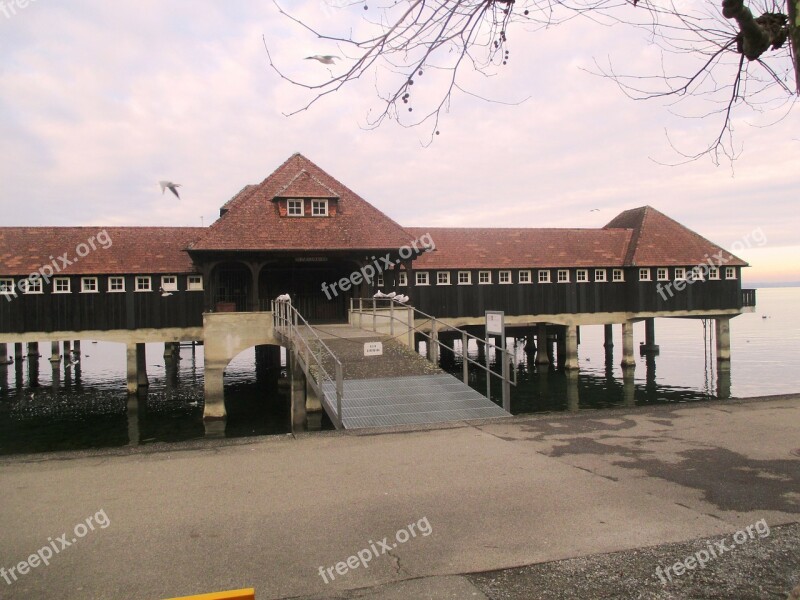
x=87, y=405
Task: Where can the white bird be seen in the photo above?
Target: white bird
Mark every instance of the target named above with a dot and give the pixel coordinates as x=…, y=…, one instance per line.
x=164, y=293
x=284, y=298
x=325, y=59
x=172, y=187
x=391, y=294
x=401, y=299
x=379, y=294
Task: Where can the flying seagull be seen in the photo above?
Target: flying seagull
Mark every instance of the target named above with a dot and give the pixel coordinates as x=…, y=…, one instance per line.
x=164, y=293
x=595, y=210
x=325, y=59
x=168, y=185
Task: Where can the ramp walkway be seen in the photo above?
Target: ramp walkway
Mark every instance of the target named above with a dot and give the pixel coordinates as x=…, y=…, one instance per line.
x=397, y=386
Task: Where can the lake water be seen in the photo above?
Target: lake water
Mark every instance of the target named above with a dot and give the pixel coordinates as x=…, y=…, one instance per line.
x=87, y=405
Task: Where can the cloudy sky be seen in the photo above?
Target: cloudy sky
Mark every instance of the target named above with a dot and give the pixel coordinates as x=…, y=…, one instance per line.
x=99, y=101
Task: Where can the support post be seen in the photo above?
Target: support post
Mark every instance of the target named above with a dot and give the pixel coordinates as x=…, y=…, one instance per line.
x=723, y=334
x=433, y=342
x=4, y=355
x=298, y=394
x=571, y=342
x=141, y=365
x=133, y=380
x=67, y=349
x=573, y=395
x=724, y=379
x=628, y=386
x=506, y=379
x=76, y=347
x=464, y=357
x=33, y=349
x=628, y=359
x=650, y=346
x=18, y=352
x=561, y=348
x=541, y=345
x=214, y=392
x=55, y=354
x=608, y=330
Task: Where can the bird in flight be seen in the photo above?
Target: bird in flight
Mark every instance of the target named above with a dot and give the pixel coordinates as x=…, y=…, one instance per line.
x=595, y=210
x=172, y=187
x=325, y=59
x=164, y=293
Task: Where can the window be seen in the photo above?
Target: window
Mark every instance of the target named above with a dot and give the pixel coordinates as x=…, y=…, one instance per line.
x=116, y=284
x=319, y=208
x=697, y=273
x=31, y=286
x=544, y=276
x=504, y=277
x=524, y=276
x=662, y=274
x=713, y=273
x=402, y=279
x=89, y=285
x=381, y=282
x=484, y=277
x=600, y=275
x=464, y=278
x=169, y=283
x=143, y=283
x=618, y=275
x=644, y=274
x=61, y=285
x=422, y=278
x=295, y=208
x=194, y=283
x=443, y=278
x=730, y=272
x=680, y=273
x=563, y=276
x=582, y=275
x=6, y=286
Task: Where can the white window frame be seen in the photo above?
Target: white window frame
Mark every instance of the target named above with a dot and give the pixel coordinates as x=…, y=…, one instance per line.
x=423, y=278
x=582, y=276
x=89, y=285
x=543, y=275
x=644, y=274
x=680, y=273
x=662, y=274
x=141, y=280
x=618, y=276
x=116, y=279
x=290, y=202
x=194, y=283
x=62, y=280
x=402, y=279
x=442, y=277
x=600, y=276
x=465, y=278
x=7, y=286
x=32, y=286
x=507, y=275
x=713, y=272
x=317, y=203
x=730, y=272
x=485, y=275
x=167, y=286
x=563, y=276
x=524, y=276
x=380, y=281
x=697, y=273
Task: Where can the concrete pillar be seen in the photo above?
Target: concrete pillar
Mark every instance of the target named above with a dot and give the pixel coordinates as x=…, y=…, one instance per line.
x=3, y=378
x=33, y=370
x=214, y=393
x=4, y=355
x=561, y=347
x=55, y=354
x=571, y=343
x=141, y=366
x=133, y=420
x=33, y=349
x=67, y=350
x=723, y=334
x=530, y=344
x=628, y=359
x=298, y=395
x=18, y=352
x=573, y=396
x=724, y=379
x=609, y=335
x=76, y=347
x=650, y=383
x=313, y=402
x=542, y=357
x=650, y=346
x=133, y=381
x=628, y=386
x=169, y=351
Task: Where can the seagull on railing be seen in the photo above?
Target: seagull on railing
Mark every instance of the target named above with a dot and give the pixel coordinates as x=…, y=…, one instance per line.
x=284, y=298
x=401, y=299
x=379, y=294
x=391, y=294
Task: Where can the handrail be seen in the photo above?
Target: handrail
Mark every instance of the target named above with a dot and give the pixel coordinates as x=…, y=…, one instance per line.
x=434, y=338
x=288, y=321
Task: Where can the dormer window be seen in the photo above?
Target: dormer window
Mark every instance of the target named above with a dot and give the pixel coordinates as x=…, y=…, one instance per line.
x=319, y=208
x=295, y=208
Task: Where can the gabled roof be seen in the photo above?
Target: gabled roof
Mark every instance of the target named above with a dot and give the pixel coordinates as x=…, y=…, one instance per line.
x=132, y=250
x=253, y=222
x=659, y=241
x=486, y=248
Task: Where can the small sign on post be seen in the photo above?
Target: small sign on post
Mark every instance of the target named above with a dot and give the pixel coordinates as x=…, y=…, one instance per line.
x=494, y=323
x=373, y=348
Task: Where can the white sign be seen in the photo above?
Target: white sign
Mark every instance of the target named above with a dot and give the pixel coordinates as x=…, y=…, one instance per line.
x=373, y=349
x=494, y=323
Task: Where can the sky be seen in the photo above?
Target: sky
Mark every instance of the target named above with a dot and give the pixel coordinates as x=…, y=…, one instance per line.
x=99, y=101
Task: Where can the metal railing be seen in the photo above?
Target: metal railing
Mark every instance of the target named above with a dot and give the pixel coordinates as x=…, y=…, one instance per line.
x=290, y=324
x=380, y=310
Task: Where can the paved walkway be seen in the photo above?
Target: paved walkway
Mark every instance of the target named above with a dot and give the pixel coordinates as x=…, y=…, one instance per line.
x=270, y=512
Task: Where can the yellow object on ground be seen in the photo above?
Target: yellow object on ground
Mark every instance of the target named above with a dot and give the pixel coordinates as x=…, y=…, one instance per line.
x=243, y=594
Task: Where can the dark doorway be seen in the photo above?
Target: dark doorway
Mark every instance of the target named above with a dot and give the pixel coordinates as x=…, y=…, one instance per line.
x=232, y=288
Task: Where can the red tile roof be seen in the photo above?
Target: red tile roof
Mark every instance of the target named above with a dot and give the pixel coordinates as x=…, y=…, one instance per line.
x=476, y=248
x=659, y=241
x=253, y=221
x=23, y=250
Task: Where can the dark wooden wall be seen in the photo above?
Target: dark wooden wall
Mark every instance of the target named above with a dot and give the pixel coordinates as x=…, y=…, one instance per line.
x=103, y=310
